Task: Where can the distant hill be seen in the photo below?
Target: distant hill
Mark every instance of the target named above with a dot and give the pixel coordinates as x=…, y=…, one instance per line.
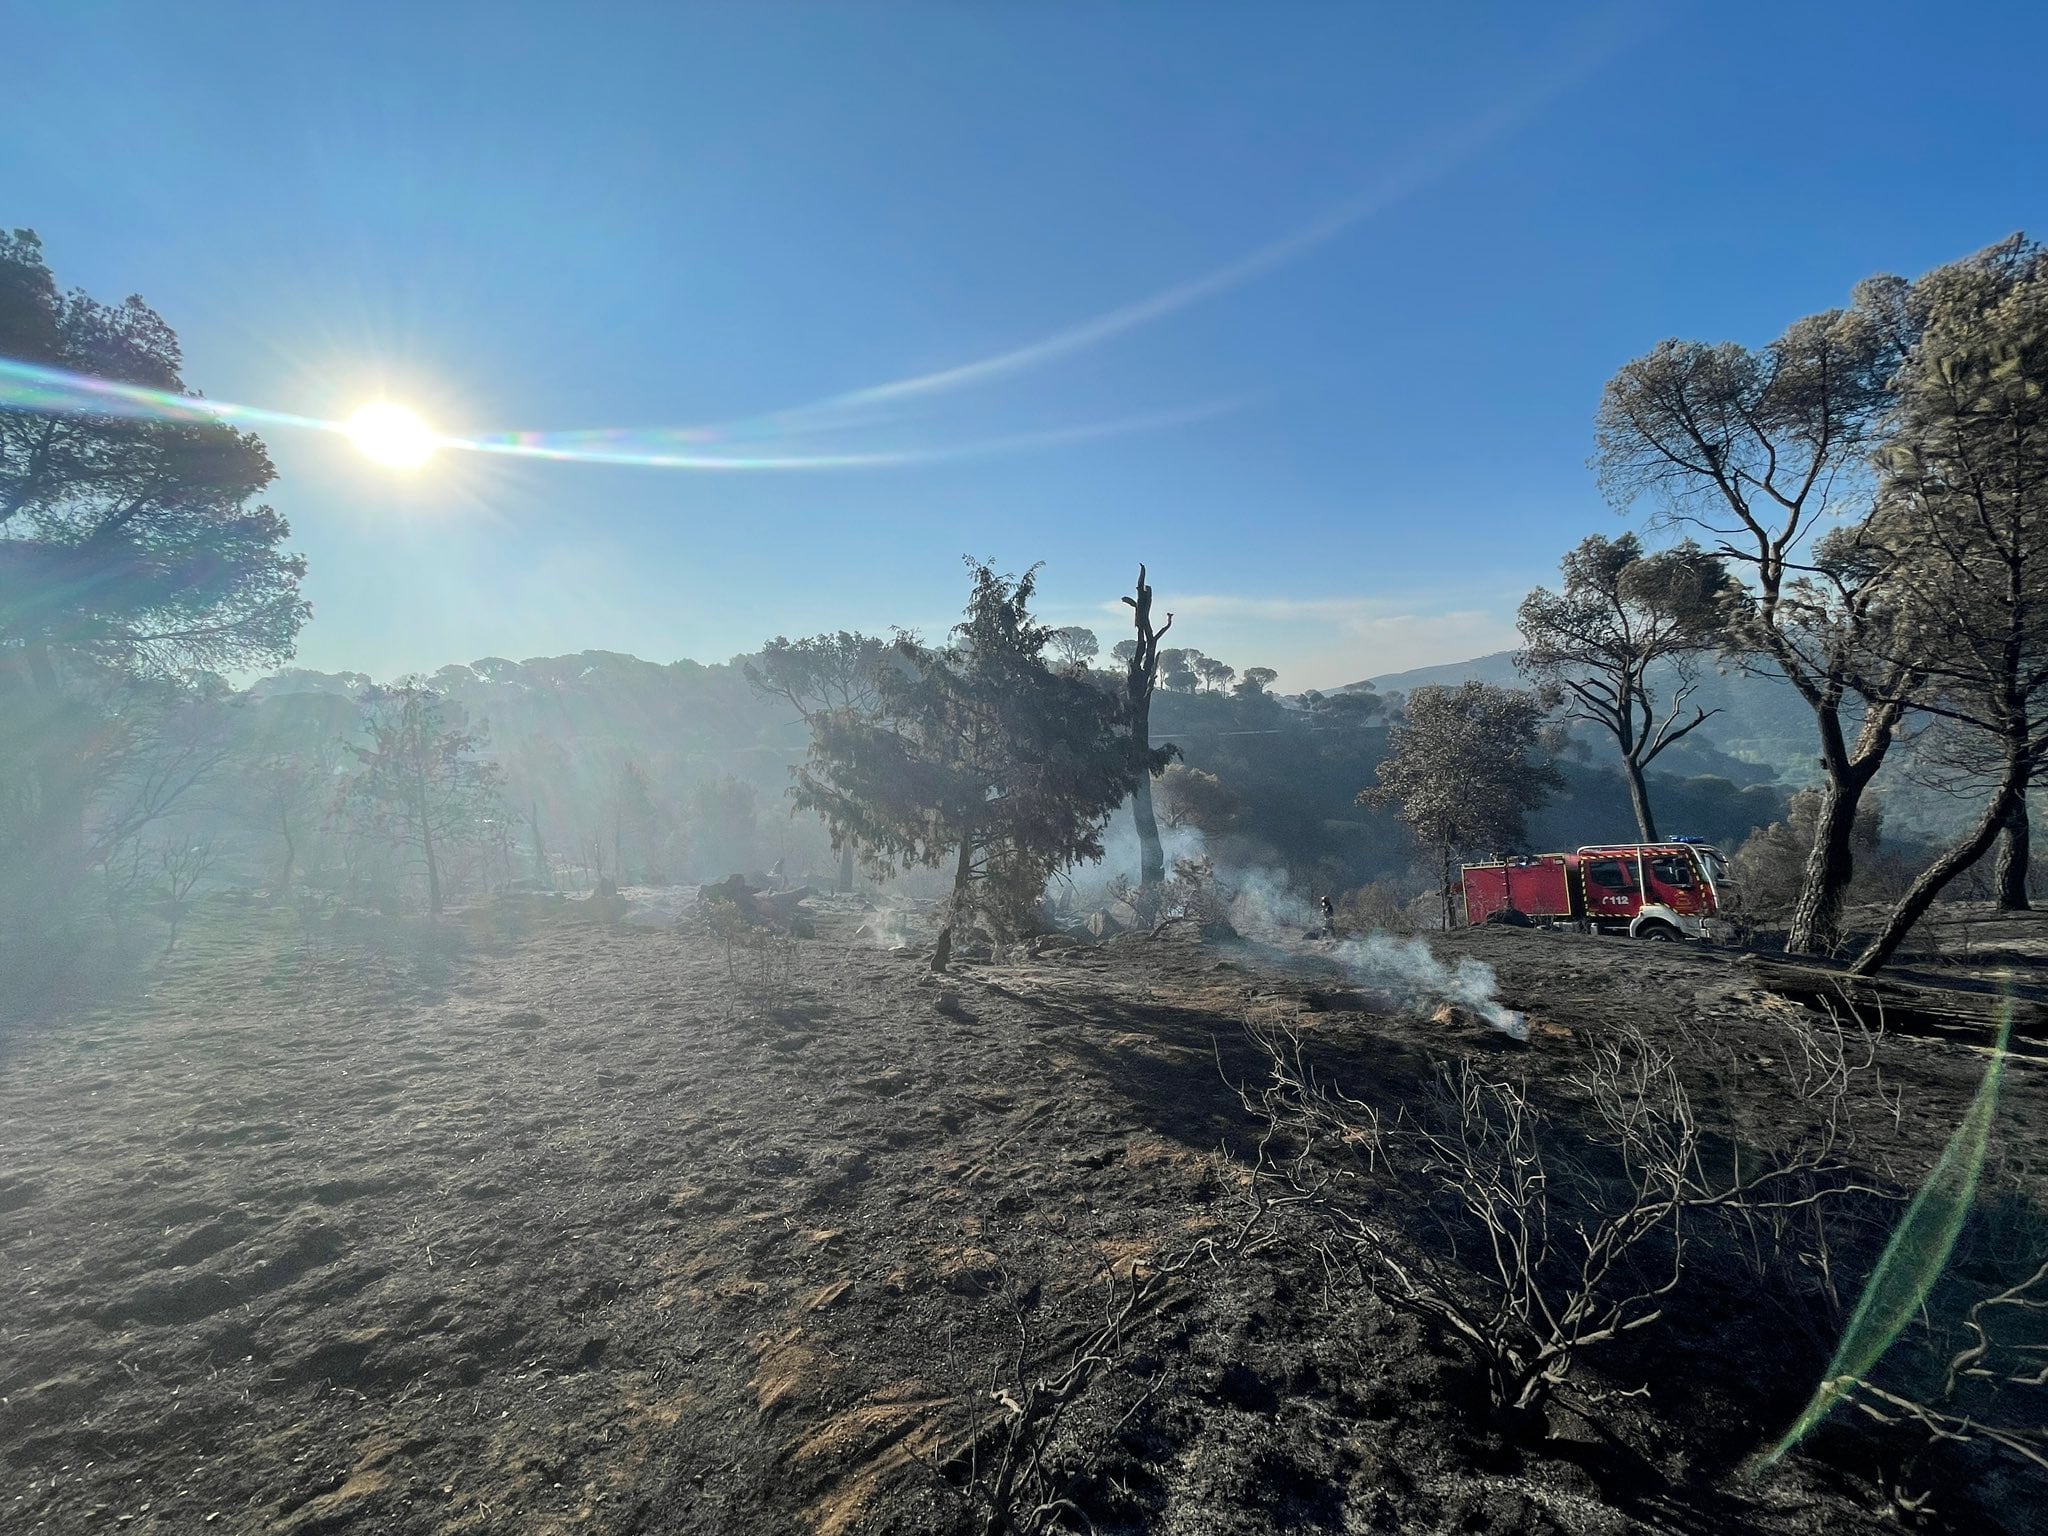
x=1497, y=667
x=1763, y=731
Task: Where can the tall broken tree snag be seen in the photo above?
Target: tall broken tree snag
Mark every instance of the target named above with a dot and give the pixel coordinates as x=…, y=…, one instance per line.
x=1141, y=675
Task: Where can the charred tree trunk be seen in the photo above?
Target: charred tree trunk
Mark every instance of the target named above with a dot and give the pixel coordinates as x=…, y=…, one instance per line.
x=541, y=869
x=291, y=852
x=1140, y=677
x=1151, y=856
x=422, y=808
x=433, y=871
x=1639, y=798
x=956, y=905
x=56, y=832
x=1831, y=863
x=1959, y=857
x=845, y=882
x=2015, y=857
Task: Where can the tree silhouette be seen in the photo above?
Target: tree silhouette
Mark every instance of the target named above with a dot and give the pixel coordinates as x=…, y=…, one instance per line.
x=1463, y=772
x=133, y=544
x=1620, y=614
x=418, y=782
x=1176, y=670
x=1142, y=661
x=1075, y=646
x=131, y=551
x=978, y=751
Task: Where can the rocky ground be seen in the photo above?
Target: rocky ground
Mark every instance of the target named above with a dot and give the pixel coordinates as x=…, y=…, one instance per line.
x=535, y=1223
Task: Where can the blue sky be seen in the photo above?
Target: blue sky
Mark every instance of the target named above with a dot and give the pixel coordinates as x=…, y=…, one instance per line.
x=1364, y=448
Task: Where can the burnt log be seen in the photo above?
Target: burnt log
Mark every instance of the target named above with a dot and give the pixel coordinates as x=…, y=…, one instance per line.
x=1914, y=1007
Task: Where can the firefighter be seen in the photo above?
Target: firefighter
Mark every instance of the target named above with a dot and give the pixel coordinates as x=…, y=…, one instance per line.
x=1329, y=918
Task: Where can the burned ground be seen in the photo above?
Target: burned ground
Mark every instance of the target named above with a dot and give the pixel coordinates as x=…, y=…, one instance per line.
x=564, y=1230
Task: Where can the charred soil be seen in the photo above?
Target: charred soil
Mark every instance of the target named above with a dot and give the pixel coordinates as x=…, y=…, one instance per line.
x=568, y=1229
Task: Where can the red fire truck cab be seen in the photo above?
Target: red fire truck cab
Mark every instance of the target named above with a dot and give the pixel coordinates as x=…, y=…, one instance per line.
x=1673, y=890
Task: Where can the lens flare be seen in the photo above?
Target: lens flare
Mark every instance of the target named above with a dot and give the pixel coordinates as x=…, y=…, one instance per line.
x=395, y=436
x=1913, y=1260
x=392, y=435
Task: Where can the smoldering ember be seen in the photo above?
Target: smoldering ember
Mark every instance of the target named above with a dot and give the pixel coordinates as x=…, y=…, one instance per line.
x=1434, y=932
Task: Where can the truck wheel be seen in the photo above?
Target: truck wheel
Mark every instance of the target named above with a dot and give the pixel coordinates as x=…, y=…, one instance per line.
x=1658, y=933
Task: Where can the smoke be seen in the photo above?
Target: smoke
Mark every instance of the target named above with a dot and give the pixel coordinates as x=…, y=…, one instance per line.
x=899, y=921
x=1407, y=973
x=1092, y=884
x=1409, y=970
x=1266, y=906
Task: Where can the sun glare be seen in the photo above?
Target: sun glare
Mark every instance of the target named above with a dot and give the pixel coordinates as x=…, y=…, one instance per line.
x=392, y=435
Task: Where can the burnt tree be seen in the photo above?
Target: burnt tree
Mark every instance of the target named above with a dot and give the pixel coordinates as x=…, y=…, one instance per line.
x=1621, y=618
x=978, y=752
x=1761, y=449
x=1141, y=676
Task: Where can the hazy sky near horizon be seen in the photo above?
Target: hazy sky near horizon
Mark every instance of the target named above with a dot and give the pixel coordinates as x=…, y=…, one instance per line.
x=1306, y=305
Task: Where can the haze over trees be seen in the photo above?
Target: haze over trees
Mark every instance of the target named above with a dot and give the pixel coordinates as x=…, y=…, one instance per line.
x=136, y=559
x=420, y=782
x=642, y=832
x=839, y=671
x=1856, y=484
x=291, y=793
x=1256, y=681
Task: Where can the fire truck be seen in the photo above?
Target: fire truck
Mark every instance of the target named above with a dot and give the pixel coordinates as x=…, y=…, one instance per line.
x=1672, y=890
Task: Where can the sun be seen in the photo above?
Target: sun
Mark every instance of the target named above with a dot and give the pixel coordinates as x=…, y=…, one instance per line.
x=393, y=435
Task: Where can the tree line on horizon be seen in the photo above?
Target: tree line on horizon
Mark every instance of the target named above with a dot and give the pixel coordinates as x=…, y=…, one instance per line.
x=1868, y=486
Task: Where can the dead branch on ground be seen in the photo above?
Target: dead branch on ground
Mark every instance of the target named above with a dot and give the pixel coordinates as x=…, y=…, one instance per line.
x=1547, y=1240
x=1006, y=1468
x=1992, y=1392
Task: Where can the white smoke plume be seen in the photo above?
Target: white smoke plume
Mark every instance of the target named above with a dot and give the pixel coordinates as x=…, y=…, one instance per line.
x=1411, y=971
x=1091, y=886
x=896, y=922
x=1406, y=972
x=1265, y=906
